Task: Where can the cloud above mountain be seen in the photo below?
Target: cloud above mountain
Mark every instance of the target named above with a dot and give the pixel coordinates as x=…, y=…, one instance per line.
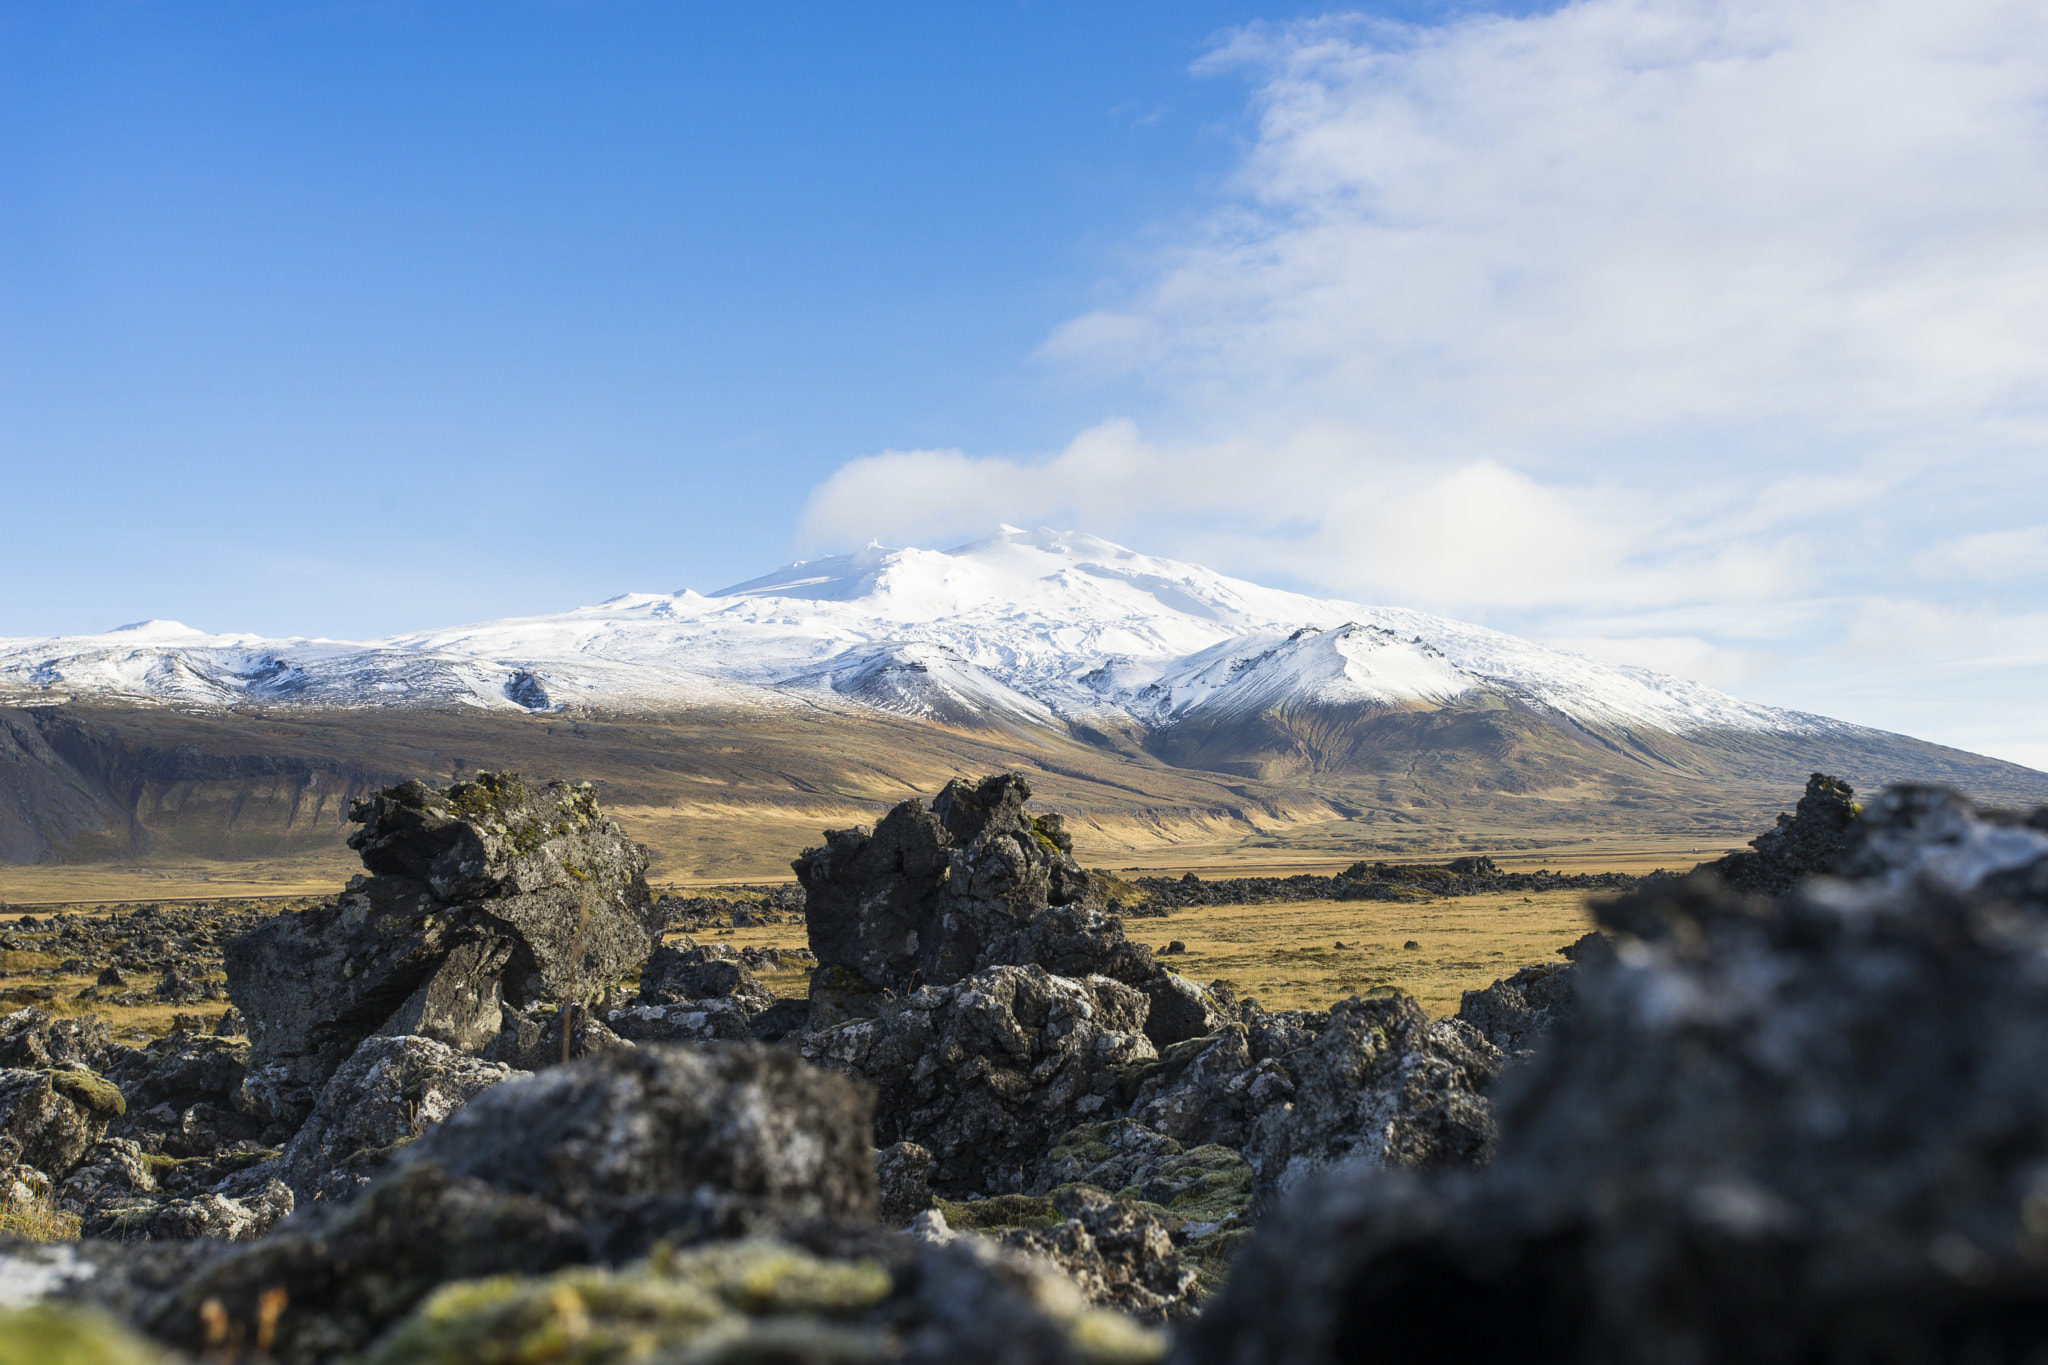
x=1721, y=327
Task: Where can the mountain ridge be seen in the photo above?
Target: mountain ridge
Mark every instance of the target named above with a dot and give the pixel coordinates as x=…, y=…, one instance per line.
x=1075, y=624
x=1162, y=706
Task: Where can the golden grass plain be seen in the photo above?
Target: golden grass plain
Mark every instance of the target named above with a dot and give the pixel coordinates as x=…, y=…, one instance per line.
x=1285, y=954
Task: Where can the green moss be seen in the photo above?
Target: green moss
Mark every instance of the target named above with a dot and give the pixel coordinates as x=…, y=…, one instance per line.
x=760, y=1276
x=372, y=1156
x=1211, y=1255
x=90, y=1091
x=47, y=1335
x=1222, y=1186
x=730, y=1301
x=1003, y=1211
x=1051, y=832
x=584, y=1316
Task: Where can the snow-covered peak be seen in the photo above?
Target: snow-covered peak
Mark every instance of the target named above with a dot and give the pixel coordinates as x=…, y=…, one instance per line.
x=1027, y=625
x=156, y=630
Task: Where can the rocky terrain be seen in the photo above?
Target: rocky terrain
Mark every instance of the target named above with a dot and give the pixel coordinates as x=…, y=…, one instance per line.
x=1786, y=1108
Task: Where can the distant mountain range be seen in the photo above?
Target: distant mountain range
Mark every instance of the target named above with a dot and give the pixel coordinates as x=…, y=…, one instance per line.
x=1036, y=627
x=1038, y=638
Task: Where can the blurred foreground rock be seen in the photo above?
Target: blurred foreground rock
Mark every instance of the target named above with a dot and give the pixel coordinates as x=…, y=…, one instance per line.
x=1793, y=1129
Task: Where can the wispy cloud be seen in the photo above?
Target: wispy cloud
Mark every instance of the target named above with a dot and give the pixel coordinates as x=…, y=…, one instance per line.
x=1583, y=322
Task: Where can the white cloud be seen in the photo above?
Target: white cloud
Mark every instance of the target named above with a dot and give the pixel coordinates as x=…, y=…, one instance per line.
x=1992, y=555
x=1707, y=332
x=1624, y=218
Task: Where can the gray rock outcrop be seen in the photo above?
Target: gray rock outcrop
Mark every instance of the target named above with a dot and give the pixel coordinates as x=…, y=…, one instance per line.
x=1118, y=1253
x=987, y=1072
x=1806, y=843
x=486, y=894
x=41, y=1126
x=1383, y=1086
x=713, y=971
x=599, y=1159
x=390, y=1092
x=935, y=894
x=903, y=1179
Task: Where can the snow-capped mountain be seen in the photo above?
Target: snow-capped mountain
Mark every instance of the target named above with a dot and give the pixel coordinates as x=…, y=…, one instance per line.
x=1022, y=627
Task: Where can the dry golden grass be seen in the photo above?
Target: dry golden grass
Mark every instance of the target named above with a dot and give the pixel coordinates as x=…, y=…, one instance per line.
x=1285, y=954
x=81, y=884
x=27, y=975
x=41, y=1221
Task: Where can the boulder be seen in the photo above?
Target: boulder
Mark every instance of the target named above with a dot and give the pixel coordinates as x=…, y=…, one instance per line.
x=388, y=1093
x=1282, y=1033
x=112, y=1171
x=1210, y=1089
x=42, y=1127
x=34, y=1040
x=1118, y=1253
x=485, y=894
x=859, y=1301
x=221, y=1217
x=347, y=1270
x=903, y=1180
x=1802, y=1128
x=639, y=1133
x=531, y=1040
x=173, y=1077
x=714, y=971
x=599, y=1159
x=693, y=1021
x=933, y=895
x=1518, y=1013
x=985, y=1073
x=1383, y=1086
x=1181, y=1009
x=1206, y=1184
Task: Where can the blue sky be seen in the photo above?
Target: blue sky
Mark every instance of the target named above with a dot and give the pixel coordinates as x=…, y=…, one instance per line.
x=1706, y=335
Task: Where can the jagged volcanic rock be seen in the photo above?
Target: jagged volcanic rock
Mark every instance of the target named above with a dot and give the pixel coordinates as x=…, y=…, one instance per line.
x=986, y=1072
x=485, y=894
x=389, y=1092
x=41, y=1126
x=1808, y=1128
x=712, y=971
x=931, y=896
x=1806, y=843
x=1117, y=1252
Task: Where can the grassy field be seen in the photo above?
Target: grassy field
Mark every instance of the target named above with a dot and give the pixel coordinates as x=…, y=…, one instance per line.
x=1286, y=954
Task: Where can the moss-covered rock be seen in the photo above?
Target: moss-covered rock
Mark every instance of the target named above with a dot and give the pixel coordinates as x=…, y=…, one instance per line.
x=1003, y=1211
x=90, y=1091
x=753, y=1300
x=48, y=1335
